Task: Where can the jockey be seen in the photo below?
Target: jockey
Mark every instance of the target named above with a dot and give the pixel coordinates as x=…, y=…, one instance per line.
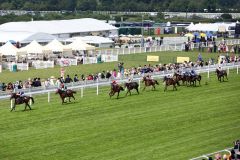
x=21, y=94
x=193, y=73
x=130, y=79
x=113, y=84
x=63, y=87
x=220, y=68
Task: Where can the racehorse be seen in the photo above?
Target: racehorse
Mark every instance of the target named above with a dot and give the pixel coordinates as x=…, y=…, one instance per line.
x=63, y=94
x=130, y=86
x=149, y=82
x=195, y=79
x=115, y=89
x=179, y=77
x=169, y=81
x=221, y=74
x=21, y=100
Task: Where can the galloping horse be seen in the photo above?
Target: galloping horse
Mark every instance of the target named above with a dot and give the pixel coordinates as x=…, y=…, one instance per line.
x=21, y=100
x=195, y=79
x=169, y=81
x=130, y=86
x=68, y=93
x=221, y=74
x=115, y=89
x=179, y=77
x=149, y=82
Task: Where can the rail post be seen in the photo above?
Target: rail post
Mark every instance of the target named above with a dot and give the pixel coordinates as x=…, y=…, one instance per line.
x=11, y=103
x=48, y=97
x=97, y=86
x=228, y=71
x=139, y=82
x=237, y=69
x=208, y=72
x=81, y=92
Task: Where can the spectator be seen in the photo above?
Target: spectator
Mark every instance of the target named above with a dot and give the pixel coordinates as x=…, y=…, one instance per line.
x=75, y=79
x=68, y=79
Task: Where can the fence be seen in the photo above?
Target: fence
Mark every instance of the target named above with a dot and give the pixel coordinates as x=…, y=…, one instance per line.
x=206, y=156
x=106, y=82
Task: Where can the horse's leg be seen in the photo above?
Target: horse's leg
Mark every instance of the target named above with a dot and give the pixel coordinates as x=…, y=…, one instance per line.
x=165, y=88
x=153, y=87
x=144, y=88
x=137, y=90
x=117, y=95
x=29, y=106
x=13, y=108
x=127, y=92
x=73, y=97
x=69, y=99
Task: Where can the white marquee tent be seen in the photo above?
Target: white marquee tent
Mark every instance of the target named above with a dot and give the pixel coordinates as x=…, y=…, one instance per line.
x=55, y=46
x=78, y=44
x=8, y=49
x=33, y=47
x=214, y=27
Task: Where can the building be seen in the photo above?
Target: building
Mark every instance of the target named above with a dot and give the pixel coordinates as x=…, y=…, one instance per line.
x=62, y=29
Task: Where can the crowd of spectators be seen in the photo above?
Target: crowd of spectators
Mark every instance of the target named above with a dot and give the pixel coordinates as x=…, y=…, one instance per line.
x=234, y=153
x=119, y=73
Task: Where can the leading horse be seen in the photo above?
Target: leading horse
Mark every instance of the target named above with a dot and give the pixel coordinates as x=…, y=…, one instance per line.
x=149, y=82
x=63, y=94
x=21, y=100
x=130, y=86
x=221, y=74
x=115, y=89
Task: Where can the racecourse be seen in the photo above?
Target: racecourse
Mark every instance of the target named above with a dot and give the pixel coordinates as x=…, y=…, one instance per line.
x=173, y=125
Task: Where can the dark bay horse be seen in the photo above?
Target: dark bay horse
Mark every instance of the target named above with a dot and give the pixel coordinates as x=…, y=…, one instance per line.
x=115, y=89
x=21, y=100
x=130, y=86
x=149, y=82
x=169, y=81
x=63, y=94
x=179, y=77
x=221, y=74
x=195, y=79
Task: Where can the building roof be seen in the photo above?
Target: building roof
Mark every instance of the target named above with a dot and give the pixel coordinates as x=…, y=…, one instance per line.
x=91, y=39
x=25, y=37
x=58, y=26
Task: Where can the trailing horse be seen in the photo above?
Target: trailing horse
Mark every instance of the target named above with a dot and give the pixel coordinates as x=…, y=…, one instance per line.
x=169, y=81
x=130, y=86
x=21, y=100
x=221, y=74
x=115, y=89
x=68, y=93
x=149, y=82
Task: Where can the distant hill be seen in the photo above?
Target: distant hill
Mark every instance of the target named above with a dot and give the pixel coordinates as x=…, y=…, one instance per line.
x=124, y=5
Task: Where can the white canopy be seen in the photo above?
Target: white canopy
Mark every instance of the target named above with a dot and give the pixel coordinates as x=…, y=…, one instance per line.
x=78, y=44
x=91, y=39
x=8, y=49
x=55, y=46
x=209, y=27
x=33, y=47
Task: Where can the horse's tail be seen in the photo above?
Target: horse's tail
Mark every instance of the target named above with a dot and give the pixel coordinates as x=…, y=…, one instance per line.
x=32, y=99
x=156, y=82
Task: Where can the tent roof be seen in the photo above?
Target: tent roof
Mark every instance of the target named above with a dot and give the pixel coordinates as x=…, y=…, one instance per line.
x=58, y=26
x=25, y=37
x=55, y=46
x=209, y=26
x=91, y=39
x=33, y=47
x=8, y=49
x=78, y=44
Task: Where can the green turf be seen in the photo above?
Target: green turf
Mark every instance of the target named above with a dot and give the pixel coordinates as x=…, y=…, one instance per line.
x=154, y=125
x=129, y=61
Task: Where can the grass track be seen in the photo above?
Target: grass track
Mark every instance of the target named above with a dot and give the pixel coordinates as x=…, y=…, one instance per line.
x=153, y=125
